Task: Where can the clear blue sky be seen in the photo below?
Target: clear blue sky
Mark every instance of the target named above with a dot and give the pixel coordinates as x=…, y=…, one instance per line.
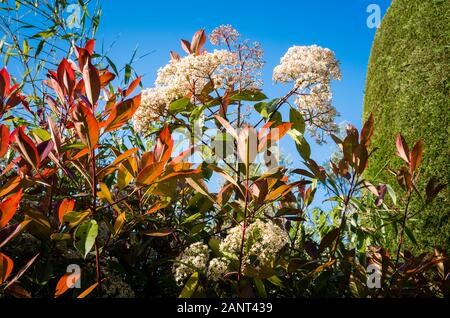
x=157, y=26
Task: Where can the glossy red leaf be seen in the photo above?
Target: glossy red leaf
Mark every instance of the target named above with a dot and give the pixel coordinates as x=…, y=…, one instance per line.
x=27, y=148
x=186, y=46
x=92, y=84
x=4, y=140
x=6, y=267
x=65, y=206
x=5, y=81
x=86, y=125
x=132, y=87
x=8, y=207
x=121, y=113
x=416, y=154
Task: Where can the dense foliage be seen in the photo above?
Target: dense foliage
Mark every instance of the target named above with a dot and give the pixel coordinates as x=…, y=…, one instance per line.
x=407, y=90
x=198, y=202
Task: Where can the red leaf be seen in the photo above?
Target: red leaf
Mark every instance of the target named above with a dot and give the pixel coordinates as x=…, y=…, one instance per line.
x=86, y=125
x=26, y=146
x=164, y=146
x=4, y=140
x=132, y=87
x=402, y=148
x=5, y=81
x=416, y=155
x=175, y=56
x=22, y=270
x=91, y=80
x=186, y=46
x=65, y=207
x=367, y=131
x=121, y=113
x=89, y=47
x=6, y=267
x=8, y=207
x=66, y=77
x=105, y=78
x=198, y=40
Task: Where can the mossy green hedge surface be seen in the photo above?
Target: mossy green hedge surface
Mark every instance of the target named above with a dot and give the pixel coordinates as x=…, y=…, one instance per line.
x=407, y=90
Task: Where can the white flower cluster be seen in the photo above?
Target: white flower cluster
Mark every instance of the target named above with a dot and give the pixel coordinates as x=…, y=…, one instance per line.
x=250, y=56
x=224, y=34
x=311, y=68
x=185, y=76
x=263, y=242
x=192, y=258
x=217, y=268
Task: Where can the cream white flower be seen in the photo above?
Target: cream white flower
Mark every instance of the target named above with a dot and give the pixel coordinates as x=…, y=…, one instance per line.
x=311, y=68
x=185, y=76
x=193, y=258
x=262, y=243
x=217, y=268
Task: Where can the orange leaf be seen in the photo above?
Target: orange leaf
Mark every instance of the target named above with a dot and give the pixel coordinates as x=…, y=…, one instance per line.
x=65, y=207
x=86, y=125
x=153, y=209
x=132, y=87
x=149, y=173
x=164, y=145
x=159, y=233
x=10, y=185
x=6, y=267
x=8, y=207
x=4, y=140
x=66, y=282
x=87, y=291
x=122, y=112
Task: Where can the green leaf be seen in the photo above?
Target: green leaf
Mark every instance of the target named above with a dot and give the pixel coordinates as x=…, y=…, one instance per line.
x=296, y=118
x=249, y=96
x=43, y=134
x=260, y=289
x=214, y=244
x=190, y=287
x=45, y=34
x=179, y=105
x=392, y=194
x=192, y=217
x=127, y=73
x=302, y=145
x=113, y=66
x=266, y=108
x=411, y=236
x=85, y=236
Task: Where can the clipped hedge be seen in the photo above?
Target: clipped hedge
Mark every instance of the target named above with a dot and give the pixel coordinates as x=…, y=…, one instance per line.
x=407, y=89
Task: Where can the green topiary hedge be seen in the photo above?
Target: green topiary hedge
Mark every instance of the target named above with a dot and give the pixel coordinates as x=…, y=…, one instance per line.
x=407, y=89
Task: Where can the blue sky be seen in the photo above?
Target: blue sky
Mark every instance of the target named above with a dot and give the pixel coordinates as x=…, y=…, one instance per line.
x=157, y=27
